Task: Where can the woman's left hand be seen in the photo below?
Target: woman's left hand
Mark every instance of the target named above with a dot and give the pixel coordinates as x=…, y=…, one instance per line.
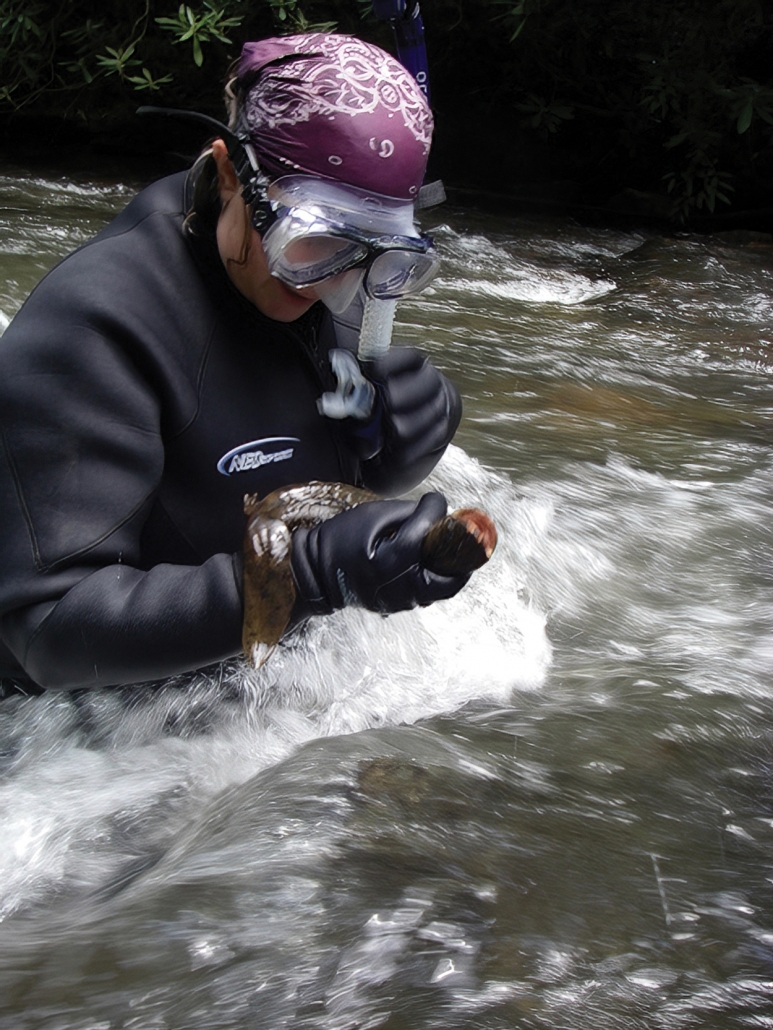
x=417, y=413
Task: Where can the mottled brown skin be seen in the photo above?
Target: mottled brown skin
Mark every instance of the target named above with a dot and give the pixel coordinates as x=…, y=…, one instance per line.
x=458, y=543
x=269, y=587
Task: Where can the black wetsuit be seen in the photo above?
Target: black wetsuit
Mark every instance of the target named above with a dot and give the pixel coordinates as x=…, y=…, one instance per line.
x=141, y=396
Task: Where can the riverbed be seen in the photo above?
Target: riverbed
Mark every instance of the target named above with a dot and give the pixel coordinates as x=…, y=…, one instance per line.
x=546, y=803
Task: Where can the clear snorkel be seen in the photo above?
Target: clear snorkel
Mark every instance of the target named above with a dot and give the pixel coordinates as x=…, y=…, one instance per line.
x=354, y=396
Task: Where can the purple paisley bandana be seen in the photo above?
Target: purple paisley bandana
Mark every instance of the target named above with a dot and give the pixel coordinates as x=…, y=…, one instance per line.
x=334, y=106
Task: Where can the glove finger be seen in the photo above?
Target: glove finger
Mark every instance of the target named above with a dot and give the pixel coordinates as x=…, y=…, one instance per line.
x=430, y=507
x=432, y=423
x=433, y=587
x=375, y=521
x=416, y=587
x=410, y=535
x=412, y=390
x=394, y=362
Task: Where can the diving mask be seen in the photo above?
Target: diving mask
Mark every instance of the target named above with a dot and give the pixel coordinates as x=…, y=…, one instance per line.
x=337, y=237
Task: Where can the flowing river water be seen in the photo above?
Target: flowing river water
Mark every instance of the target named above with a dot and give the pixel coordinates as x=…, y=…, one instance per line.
x=547, y=803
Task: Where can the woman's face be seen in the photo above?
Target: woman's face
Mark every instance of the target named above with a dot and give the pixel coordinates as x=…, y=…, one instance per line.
x=242, y=252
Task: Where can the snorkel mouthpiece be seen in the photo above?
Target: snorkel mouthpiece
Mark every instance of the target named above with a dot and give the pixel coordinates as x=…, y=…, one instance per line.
x=355, y=396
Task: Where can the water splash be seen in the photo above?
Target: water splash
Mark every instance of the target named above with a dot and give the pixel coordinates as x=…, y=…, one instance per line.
x=474, y=264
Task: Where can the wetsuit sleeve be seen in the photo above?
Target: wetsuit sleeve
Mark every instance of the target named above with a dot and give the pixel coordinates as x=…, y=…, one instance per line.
x=120, y=625
x=81, y=461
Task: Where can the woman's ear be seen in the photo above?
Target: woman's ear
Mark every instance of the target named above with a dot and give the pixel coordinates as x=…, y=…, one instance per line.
x=227, y=180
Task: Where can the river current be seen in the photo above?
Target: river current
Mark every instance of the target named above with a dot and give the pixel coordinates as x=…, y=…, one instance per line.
x=546, y=803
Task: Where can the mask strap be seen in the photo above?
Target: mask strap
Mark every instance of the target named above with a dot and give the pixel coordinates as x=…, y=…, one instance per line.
x=242, y=154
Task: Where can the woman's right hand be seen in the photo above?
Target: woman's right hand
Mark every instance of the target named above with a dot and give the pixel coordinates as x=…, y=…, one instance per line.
x=370, y=557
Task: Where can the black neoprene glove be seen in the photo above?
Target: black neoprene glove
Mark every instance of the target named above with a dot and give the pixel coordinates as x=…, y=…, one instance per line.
x=417, y=413
x=370, y=557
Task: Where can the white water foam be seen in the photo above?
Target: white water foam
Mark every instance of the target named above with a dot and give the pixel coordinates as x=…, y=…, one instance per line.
x=476, y=265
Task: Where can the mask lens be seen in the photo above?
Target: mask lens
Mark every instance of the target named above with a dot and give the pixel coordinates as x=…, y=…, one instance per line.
x=301, y=250
x=316, y=257
x=397, y=273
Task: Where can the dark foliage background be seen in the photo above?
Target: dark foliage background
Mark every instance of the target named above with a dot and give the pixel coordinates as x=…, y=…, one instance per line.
x=662, y=108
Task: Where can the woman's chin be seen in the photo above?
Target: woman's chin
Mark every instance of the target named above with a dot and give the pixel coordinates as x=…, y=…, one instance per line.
x=284, y=303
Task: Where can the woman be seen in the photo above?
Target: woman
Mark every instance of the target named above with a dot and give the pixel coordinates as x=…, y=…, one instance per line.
x=161, y=372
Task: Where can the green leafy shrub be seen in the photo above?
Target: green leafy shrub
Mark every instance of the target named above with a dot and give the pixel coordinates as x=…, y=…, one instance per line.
x=674, y=97
x=72, y=57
